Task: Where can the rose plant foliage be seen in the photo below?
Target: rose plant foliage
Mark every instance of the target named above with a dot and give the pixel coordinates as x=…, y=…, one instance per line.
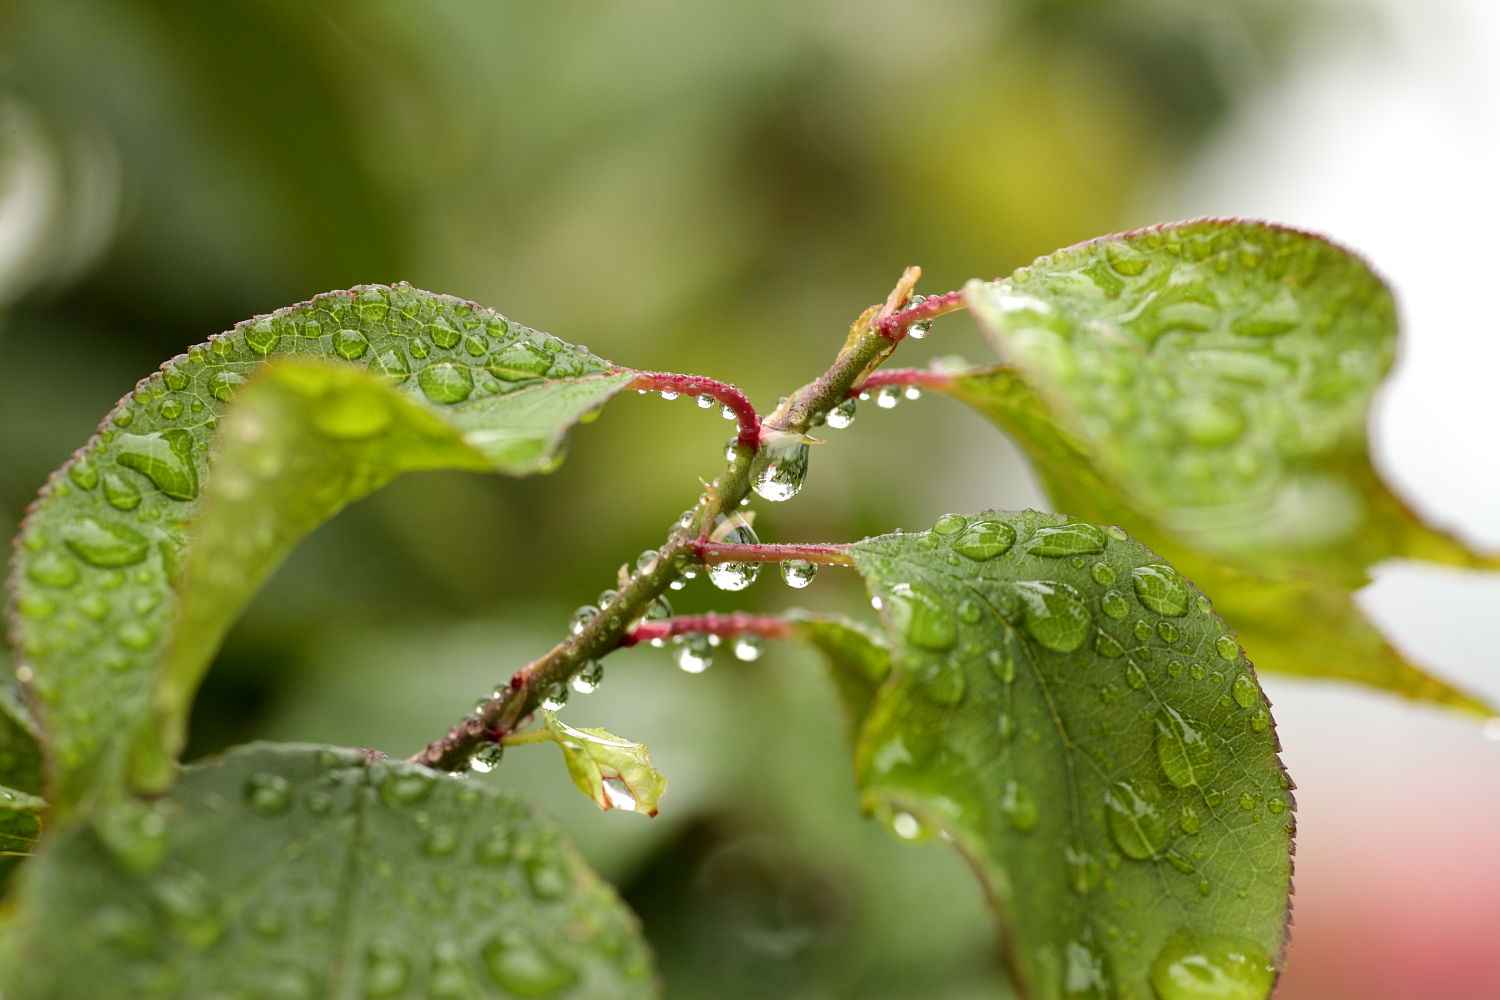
x=1067, y=698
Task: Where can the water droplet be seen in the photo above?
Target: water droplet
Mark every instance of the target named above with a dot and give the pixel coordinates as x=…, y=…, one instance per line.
x=1211, y=967
x=842, y=416
x=779, y=469
x=393, y=365
x=1018, y=805
x=262, y=336
x=547, y=882
x=589, y=677
x=174, y=378
x=1135, y=823
x=1002, y=663
x=1227, y=648
x=104, y=543
x=52, y=569
x=1106, y=645
x=887, y=397
x=407, y=788
x=1113, y=603
x=486, y=758
x=268, y=794
x=747, y=648
x=1260, y=720
x=1185, y=756
x=1246, y=694
x=985, y=540
x=581, y=618
x=1188, y=821
x=1103, y=573
x=519, y=362
x=1161, y=589
x=1054, y=614
x=703, y=401
x=727, y=412
x=441, y=841
x=1167, y=632
x=798, y=573
x=445, y=382
x=184, y=896
x=222, y=384
x=906, y=826
x=161, y=458
x=555, y=697
x=950, y=524
x=922, y=614
x=386, y=972
x=694, y=653
x=735, y=575
x=523, y=969
x=83, y=473
x=1086, y=974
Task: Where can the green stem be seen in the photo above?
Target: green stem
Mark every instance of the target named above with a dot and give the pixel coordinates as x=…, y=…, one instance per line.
x=866, y=347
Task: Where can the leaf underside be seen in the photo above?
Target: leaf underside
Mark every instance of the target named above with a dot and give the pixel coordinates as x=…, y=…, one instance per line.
x=1072, y=714
x=312, y=872
x=332, y=398
x=1207, y=385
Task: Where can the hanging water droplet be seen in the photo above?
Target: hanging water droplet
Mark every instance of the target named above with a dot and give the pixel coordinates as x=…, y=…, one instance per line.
x=1211, y=967
x=694, y=653
x=887, y=397
x=581, y=618
x=747, y=648
x=727, y=412
x=268, y=794
x=555, y=697
x=588, y=679
x=486, y=758
x=906, y=826
x=842, y=415
x=704, y=401
x=913, y=393
x=779, y=468
x=734, y=575
x=798, y=573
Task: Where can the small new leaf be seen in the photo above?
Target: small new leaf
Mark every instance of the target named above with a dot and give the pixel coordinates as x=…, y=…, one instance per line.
x=613, y=772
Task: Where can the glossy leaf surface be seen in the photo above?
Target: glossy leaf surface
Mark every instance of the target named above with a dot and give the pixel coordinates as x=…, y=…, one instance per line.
x=612, y=772
x=1207, y=385
x=142, y=515
x=1072, y=714
x=304, y=871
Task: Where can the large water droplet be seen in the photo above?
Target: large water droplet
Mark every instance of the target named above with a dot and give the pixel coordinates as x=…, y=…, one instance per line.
x=104, y=543
x=268, y=794
x=161, y=458
x=1073, y=539
x=779, y=469
x=262, y=336
x=222, y=384
x=842, y=416
x=798, y=573
x=523, y=969
x=445, y=382
x=1161, y=588
x=950, y=524
x=589, y=677
x=520, y=361
x=1246, y=694
x=1227, y=648
x=747, y=648
x=1054, y=614
x=1185, y=756
x=407, y=788
x=486, y=758
x=1135, y=822
x=386, y=972
x=1211, y=967
x=922, y=614
x=694, y=653
x=985, y=540
x=735, y=575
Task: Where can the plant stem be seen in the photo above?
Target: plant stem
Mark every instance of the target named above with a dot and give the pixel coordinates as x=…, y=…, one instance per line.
x=926, y=378
x=730, y=625
x=697, y=385
x=896, y=324
x=864, y=349
x=723, y=552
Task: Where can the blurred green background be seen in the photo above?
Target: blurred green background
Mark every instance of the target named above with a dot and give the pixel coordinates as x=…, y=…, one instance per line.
x=713, y=187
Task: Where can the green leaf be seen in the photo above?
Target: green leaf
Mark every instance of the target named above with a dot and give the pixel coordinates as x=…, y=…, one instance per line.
x=1207, y=385
x=1069, y=711
x=860, y=661
x=613, y=773
x=303, y=871
x=20, y=826
x=20, y=754
x=101, y=565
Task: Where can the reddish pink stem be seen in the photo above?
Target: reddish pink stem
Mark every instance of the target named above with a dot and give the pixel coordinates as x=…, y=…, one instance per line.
x=727, y=626
x=723, y=552
x=895, y=325
x=923, y=377
x=697, y=385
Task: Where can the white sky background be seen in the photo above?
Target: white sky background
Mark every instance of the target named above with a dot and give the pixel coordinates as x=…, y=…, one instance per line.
x=1390, y=143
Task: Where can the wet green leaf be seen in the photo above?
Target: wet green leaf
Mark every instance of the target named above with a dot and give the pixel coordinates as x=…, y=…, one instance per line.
x=303, y=871
x=614, y=773
x=20, y=826
x=142, y=515
x=1207, y=385
x=20, y=754
x=1071, y=713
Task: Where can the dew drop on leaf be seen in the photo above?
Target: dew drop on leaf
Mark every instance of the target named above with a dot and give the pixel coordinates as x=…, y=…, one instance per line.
x=268, y=794
x=1135, y=822
x=1181, y=749
x=104, y=543
x=522, y=969
x=1061, y=540
x=985, y=540
x=1054, y=614
x=445, y=382
x=1246, y=694
x=1211, y=967
x=1161, y=589
x=923, y=615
